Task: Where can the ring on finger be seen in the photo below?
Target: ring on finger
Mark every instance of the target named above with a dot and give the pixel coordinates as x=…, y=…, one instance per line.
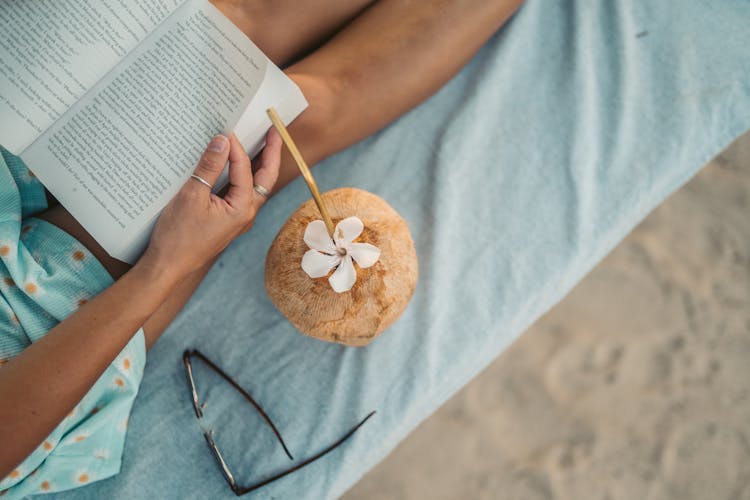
x=202, y=181
x=265, y=193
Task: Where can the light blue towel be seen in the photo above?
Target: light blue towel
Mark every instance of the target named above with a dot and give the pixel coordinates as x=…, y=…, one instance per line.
x=573, y=122
x=45, y=276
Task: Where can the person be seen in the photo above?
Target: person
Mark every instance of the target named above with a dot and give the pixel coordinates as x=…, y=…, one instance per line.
x=360, y=64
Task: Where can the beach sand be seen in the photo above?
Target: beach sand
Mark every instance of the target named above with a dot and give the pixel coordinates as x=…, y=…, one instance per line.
x=636, y=386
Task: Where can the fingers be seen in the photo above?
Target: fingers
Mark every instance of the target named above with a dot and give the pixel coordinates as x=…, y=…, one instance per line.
x=240, y=175
x=212, y=162
x=240, y=195
x=268, y=171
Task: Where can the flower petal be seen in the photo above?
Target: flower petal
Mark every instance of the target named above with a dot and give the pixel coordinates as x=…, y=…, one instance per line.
x=317, y=237
x=317, y=264
x=346, y=230
x=343, y=279
x=364, y=254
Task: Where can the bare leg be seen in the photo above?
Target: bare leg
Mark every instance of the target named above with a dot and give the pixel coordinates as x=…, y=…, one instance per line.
x=409, y=48
x=288, y=29
x=396, y=54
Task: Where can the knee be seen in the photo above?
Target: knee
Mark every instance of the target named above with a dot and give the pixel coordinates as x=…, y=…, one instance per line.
x=312, y=129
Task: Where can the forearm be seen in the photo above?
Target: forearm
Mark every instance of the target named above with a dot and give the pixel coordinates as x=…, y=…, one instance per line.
x=168, y=310
x=155, y=325
x=40, y=386
x=43, y=383
x=405, y=51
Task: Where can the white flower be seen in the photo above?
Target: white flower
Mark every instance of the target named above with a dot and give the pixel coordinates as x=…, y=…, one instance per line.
x=326, y=253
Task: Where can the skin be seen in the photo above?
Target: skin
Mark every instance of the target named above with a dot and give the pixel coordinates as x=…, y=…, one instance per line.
x=409, y=48
x=42, y=384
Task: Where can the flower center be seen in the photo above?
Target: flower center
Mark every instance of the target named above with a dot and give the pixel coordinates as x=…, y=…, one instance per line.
x=341, y=251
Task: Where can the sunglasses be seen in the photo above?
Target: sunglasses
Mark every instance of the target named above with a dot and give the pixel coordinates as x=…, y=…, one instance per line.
x=208, y=434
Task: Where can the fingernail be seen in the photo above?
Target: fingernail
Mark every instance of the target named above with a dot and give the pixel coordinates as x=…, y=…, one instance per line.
x=218, y=144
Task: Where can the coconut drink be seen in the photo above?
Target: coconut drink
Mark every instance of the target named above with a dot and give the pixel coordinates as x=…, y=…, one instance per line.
x=343, y=267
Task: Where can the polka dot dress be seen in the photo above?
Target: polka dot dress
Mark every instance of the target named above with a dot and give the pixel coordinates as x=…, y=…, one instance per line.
x=45, y=275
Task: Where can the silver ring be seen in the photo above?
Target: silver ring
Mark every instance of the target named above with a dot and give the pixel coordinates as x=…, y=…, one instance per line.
x=265, y=193
x=202, y=181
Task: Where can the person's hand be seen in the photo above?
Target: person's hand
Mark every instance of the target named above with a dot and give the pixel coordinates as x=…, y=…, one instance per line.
x=196, y=225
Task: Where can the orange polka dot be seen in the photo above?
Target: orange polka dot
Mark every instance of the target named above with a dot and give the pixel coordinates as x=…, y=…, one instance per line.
x=47, y=445
x=4, y=250
x=82, y=302
x=83, y=478
x=119, y=382
x=30, y=288
x=80, y=438
x=126, y=363
x=15, y=473
x=14, y=318
x=9, y=281
x=94, y=410
x=78, y=255
x=44, y=485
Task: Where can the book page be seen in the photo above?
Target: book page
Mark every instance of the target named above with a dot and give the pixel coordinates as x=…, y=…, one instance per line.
x=122, y=152
x=53, y=51
x=277, y=91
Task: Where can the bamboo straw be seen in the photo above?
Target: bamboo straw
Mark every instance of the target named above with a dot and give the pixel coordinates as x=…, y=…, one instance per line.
x=303, y=168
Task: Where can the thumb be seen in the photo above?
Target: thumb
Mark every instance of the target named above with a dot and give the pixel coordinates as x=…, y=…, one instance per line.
x=213, y=160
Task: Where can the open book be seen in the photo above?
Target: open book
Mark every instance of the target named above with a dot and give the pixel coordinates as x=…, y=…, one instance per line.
x=111, y=103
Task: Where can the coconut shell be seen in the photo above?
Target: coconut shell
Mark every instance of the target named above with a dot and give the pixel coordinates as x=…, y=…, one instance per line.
x=381, y=292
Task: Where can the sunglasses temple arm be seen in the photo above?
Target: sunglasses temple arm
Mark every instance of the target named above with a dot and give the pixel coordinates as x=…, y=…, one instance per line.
x=194, y=352
x=248, y=489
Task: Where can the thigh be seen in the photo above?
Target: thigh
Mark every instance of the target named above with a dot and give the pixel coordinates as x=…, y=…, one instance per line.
x=286, y=30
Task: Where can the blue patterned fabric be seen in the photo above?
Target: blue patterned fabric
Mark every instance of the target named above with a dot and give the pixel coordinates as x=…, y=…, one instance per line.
x=569, y=126
x=45, y=275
